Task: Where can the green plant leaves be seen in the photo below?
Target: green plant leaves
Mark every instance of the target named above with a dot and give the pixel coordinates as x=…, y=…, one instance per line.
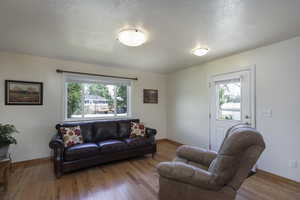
x=6, y=131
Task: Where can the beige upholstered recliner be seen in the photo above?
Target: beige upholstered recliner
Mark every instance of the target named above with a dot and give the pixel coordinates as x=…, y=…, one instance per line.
x=198, y=174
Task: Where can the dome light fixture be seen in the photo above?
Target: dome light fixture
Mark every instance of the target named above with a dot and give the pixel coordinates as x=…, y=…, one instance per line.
x=200, y=51
x=132, y=37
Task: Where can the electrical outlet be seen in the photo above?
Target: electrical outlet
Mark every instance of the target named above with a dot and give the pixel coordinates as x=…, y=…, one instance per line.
x=293, y=163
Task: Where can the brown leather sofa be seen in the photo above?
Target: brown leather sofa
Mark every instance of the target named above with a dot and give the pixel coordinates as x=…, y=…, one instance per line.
x=104, y=141
x=201, y=174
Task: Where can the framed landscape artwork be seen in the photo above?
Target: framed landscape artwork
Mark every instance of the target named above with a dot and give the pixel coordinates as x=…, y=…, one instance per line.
x=23, y=93
x=150, y=96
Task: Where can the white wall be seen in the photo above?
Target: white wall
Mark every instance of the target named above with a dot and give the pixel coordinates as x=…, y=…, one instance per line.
x=36, y=123
x=277, y=85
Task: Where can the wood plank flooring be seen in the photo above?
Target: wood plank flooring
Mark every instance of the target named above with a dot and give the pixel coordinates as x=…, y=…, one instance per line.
x=134, y=179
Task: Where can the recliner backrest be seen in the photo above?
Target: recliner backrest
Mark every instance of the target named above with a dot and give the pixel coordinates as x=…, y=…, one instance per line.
x=239, y=152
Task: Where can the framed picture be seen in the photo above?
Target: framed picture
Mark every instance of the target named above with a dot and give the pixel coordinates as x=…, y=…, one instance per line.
x=150, y=96
x=23, y=93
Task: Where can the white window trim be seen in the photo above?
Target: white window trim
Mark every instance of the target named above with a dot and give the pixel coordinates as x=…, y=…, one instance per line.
x=101, y=80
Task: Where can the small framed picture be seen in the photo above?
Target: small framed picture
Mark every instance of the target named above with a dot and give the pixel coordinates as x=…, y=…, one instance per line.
x=150, y=96
x=23, y=93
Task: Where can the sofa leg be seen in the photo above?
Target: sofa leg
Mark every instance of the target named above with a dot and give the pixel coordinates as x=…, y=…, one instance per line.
x=58, y=174
x=58, y=170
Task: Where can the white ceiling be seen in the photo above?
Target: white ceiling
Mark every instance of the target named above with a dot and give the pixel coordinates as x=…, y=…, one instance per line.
x=85, y=30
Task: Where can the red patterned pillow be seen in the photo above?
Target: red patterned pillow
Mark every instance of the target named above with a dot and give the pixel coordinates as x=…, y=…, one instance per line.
x=137, y=130
x=71, y=135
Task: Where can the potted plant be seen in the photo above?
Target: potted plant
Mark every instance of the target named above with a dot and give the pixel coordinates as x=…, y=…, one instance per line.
x=6, y=138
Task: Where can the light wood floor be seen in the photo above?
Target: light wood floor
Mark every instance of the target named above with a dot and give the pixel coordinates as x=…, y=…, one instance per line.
x=134, y=179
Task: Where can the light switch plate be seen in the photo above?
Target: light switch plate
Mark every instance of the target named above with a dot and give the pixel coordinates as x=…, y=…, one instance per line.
x=293, y=163
x=267, y=112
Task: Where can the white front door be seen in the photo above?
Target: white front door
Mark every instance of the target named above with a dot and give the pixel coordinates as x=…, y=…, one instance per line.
x=232, y=102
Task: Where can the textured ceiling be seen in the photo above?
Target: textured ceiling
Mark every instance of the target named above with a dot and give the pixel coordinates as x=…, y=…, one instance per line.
x=85, y=30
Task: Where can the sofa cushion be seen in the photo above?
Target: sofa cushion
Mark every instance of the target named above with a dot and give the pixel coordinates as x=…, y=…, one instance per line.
x=81, y=151
x=85, y=127
x=109, y=146
x=137, y=130
x=71, y=135
x=137, y=142
x=87, y=132
x=124, y=129
x=105, y=131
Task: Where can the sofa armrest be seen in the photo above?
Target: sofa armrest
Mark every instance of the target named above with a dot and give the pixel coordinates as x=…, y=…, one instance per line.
x=196, y=154
x=56, y=142
x=189, y=174
x=150, y=132
x=58, y=147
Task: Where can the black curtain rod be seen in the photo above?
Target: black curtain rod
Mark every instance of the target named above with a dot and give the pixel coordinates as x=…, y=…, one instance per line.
x=89, y=74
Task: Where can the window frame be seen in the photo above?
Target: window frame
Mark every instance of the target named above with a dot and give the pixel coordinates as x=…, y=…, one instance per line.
x=100, y=80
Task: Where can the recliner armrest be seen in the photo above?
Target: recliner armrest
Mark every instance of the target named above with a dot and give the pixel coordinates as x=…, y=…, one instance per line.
x=189, y=174
x=196, y=154
x=56, y=142
x=150, y=132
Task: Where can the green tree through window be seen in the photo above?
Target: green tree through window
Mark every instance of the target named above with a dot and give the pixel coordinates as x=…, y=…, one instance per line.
x=74, y=99
x=121, y=99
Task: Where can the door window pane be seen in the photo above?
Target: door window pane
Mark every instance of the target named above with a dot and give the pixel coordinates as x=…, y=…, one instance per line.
x=229, y=100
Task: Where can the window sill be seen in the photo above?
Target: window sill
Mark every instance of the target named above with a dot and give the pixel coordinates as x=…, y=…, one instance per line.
x=97, y=118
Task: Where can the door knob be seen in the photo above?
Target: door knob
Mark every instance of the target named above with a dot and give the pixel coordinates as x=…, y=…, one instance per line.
x=247, y=117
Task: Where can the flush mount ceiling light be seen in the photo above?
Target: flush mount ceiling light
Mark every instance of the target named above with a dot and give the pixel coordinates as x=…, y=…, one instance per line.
x=200, y=51
x=132, y=37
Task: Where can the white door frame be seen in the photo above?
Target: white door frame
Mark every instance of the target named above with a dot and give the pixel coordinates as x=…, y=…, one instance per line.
x=252, y=70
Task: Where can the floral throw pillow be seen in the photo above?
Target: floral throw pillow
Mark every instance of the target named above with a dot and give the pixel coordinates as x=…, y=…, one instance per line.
x=137, y=130
x=71, y=135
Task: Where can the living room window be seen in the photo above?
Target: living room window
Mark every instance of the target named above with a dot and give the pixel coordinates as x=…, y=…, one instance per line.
x=95, y=98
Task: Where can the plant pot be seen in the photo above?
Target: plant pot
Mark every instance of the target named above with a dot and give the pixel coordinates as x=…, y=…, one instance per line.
x=3, y=152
